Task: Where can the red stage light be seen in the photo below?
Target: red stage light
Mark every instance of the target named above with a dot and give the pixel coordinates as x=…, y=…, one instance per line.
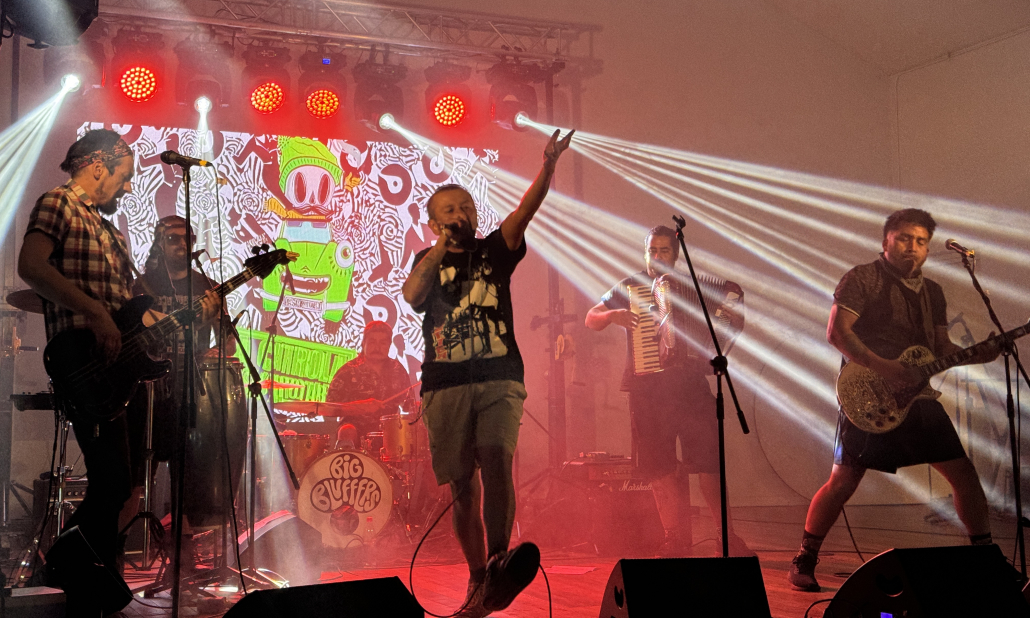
x=267, y=98
x=138, y=83
x=449, y=110
x=323, y=103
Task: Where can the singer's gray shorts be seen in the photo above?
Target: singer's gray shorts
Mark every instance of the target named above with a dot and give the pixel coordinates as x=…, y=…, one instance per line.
x=461, y=418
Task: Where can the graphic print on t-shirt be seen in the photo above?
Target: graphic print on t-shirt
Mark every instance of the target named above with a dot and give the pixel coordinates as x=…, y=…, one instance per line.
x=475, y=327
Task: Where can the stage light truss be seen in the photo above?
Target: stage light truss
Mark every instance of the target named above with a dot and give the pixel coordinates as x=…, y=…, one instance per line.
x=408, y=30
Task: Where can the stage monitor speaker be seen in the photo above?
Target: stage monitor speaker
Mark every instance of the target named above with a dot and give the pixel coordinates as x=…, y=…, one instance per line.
x=385, y=597
x=686, y=587
x=286, y=546
x=72, y=564
x=937, y=582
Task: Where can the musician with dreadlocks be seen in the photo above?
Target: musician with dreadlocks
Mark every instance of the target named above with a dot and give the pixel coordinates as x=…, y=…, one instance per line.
x=165, y=279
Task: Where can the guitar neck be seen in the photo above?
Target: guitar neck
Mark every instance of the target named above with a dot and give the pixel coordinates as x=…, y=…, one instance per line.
x=172, y=322
x=949, y=361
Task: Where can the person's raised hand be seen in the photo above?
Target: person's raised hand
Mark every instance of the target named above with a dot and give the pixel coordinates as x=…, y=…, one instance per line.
x=557, y=146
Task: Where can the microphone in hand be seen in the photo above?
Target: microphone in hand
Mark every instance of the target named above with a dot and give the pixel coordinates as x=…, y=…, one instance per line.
x=462, y=235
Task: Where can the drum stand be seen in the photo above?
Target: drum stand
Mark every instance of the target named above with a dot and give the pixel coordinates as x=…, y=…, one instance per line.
x=56, y=503
x=151, y=524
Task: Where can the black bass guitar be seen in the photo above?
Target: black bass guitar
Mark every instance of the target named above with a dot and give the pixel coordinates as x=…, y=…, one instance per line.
x=90, y=387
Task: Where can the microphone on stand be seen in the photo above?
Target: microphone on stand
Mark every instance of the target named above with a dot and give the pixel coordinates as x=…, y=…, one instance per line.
x=195, y=257
x=171, y=157
x=952, y=245
x=236, y=320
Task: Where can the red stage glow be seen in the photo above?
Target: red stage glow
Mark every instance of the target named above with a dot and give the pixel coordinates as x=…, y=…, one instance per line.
x=449, y=110
x=138, y=84
x=267, y=98
x=323, y=103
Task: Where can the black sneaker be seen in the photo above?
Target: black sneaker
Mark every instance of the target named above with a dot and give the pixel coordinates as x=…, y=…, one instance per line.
x=802, y=572
x=508, y=574
x=473, y=606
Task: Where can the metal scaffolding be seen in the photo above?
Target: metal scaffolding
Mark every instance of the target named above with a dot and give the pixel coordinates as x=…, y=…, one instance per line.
x=408, y=30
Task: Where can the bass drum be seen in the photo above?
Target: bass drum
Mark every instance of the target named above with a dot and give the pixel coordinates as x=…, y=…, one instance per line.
x=221, y=422
x=347, y=496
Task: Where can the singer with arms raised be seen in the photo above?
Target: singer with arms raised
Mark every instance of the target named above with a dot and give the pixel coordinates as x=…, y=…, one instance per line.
x=472, y=379
x=879, y=310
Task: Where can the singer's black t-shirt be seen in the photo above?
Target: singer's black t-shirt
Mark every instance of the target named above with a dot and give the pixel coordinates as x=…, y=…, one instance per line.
x=468, y=328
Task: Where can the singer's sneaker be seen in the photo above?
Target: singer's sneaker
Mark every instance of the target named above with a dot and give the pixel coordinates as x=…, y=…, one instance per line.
x=508, y=573
x=473, y=607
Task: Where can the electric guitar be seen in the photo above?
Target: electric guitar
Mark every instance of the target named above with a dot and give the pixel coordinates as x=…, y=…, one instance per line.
x=872, y=405
x=89, y=387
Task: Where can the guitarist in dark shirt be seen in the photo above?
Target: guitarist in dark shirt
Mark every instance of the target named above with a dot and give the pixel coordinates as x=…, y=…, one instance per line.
x=77, y=262
x=879, y=310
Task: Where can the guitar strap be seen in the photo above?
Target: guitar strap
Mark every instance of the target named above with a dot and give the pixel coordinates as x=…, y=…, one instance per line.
x=927, y=311
x=137, y=276
x=116, y=242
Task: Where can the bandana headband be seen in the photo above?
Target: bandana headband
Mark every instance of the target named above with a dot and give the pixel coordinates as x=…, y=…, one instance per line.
x=117, y=151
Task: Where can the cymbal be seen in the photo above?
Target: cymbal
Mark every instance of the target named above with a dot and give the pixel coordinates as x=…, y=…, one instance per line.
x=280, y=386
x=26, y=300
x=322, y=408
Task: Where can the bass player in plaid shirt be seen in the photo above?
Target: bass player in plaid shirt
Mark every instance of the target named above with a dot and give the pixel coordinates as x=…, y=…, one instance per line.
x=77, y=261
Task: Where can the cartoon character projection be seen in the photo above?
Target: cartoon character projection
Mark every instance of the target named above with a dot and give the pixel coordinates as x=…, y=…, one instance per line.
x=309, y=175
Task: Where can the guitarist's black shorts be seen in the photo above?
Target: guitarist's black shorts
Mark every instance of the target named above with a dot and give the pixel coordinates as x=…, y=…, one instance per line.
x=925, y=436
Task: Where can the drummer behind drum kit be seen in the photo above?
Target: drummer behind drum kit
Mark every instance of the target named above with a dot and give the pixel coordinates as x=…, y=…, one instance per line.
x=349, y=496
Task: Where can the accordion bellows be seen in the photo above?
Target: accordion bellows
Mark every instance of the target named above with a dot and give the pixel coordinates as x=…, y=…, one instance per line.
x=674, y=331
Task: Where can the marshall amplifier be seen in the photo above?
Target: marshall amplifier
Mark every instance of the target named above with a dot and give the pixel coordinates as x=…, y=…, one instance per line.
x=598, y=468
x=618, y=512
x=74, y=492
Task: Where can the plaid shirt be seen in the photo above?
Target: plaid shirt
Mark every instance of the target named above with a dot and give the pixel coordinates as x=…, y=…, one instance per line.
x=89, y=251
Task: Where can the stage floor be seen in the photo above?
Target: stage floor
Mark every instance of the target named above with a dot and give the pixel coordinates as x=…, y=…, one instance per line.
x=577, y=579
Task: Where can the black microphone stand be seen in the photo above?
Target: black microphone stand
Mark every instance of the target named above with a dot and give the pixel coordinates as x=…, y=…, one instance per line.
x=255, y=391
x=187, y=413
x=1008, y=350
x=255, y=394
x=721, y=368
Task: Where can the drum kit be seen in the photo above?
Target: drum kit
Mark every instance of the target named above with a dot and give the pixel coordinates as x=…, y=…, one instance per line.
x=351, y=494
